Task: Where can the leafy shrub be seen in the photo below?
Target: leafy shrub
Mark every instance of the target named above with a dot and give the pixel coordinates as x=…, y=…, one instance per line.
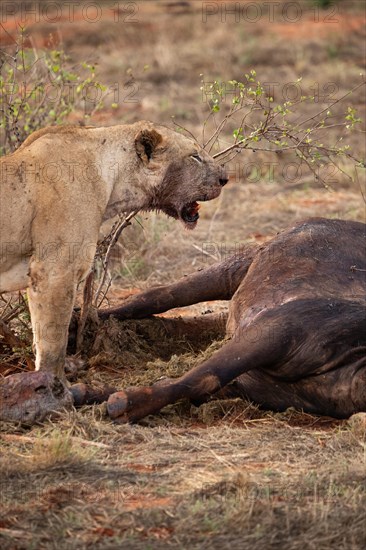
x=39, y=89
x=246, y=110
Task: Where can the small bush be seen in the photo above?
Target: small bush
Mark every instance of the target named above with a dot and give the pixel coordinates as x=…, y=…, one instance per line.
x=41, y=88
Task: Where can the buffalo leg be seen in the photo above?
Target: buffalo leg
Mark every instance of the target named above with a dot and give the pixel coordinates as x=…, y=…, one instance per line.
x=264, y=342
x=218, y=282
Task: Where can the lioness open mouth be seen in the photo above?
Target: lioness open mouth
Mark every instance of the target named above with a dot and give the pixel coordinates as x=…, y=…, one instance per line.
x=189, y=212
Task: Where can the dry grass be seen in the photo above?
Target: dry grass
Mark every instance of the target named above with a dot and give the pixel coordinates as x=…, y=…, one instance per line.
x=212, y=476
x=216, y=476
x=226, y=475
x=251, y=477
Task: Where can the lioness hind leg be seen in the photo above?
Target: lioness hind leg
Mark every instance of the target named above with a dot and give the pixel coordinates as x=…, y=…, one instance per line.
x=51, y=298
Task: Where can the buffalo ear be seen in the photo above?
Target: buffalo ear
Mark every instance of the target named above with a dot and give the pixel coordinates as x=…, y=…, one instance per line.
x=146, y=143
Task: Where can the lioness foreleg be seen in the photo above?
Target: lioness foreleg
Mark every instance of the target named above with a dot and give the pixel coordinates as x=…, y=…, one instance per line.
x=51, y=296
x=31, y=396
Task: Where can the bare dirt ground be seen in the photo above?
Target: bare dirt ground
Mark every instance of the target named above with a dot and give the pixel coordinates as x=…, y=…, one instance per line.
x=226, y=475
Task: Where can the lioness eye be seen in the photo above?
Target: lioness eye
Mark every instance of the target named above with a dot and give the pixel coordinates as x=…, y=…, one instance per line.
x=196, y=157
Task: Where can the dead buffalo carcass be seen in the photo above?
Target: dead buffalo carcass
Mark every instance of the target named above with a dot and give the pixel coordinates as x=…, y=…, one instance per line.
x=297, y=326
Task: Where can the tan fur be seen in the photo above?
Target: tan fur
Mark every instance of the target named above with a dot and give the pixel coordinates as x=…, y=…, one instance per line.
x=58, y=188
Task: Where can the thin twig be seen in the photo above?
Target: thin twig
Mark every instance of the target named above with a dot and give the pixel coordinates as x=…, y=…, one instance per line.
x=334, y=102
x=85, y=308
x=124, y=223
x=185, y=130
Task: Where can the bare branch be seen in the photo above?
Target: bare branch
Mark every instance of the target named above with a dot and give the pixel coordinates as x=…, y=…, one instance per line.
x=114, y=238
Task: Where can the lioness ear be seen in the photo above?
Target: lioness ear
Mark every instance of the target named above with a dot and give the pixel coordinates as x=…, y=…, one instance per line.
x=146, y=142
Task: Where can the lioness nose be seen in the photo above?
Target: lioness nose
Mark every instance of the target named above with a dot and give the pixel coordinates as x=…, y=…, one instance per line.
x=223, y=180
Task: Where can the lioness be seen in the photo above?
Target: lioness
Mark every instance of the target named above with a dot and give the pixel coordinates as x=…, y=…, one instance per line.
x=58, y=188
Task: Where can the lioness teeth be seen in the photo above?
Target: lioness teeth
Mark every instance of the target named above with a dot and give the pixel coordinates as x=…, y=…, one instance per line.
x=190, y=212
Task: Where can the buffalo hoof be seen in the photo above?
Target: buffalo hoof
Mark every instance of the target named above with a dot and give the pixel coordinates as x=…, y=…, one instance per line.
x=134, y=403
x=32, y=396
x=118, y=407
